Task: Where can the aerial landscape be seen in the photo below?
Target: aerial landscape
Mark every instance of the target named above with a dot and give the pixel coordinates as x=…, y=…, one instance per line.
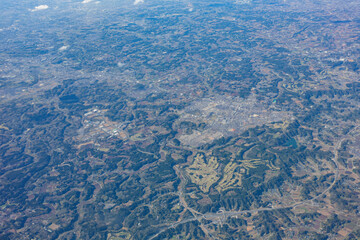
x=187, y=119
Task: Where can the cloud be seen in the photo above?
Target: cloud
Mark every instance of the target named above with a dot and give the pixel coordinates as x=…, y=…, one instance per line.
x=136, y=2
x=243, y=1
x=63, y=48
x=40, y=7
x=190, y=7
x=86, y=1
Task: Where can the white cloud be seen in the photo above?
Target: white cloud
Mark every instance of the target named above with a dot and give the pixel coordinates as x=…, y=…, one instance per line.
x=136, y=2
x=243, y=1
x=86, y=1
x=63, y=48
x=190, y=7
x=40, y=7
